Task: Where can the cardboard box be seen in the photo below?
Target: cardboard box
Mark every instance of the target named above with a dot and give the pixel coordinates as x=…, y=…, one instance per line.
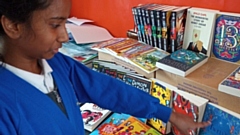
x=204, y=82
x=108, y=57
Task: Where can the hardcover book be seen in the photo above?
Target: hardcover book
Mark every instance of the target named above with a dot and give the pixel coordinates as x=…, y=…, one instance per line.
x=223, y=121
x=196, y=46
x=226, y=45
x=163, y=92
x=190, y=105
x=92, y=115
x=231, y=84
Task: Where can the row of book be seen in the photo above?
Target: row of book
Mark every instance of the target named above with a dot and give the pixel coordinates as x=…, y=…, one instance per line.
x=160, y=25
x=196, y=107
x=132, y=51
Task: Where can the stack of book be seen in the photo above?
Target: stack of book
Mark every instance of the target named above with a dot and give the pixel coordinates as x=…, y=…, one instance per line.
x=133, y=52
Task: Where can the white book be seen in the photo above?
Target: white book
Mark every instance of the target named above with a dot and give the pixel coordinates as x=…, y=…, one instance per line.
x=93, y=115
x=197, y=43
x=231, y=84
x=188, y=104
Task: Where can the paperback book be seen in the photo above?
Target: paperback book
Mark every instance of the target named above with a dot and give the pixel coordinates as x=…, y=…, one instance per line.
x=231, y=84
x=92, y=115
x=196, y=44
x=163, y=92
x=226, y=45
x=190, y=105
x=223, y=121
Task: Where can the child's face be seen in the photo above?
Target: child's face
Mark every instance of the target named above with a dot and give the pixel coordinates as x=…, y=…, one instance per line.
x=47, y=31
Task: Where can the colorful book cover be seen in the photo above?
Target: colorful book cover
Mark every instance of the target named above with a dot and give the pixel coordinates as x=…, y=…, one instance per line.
x=148, y=60
x=163, y=93
x=226, y=45
x=223, y=121
x=108, y=42
x=131, y=126
x=200, y=24
x=92, y=115
x=111, y=123
x=184, y=106
x=231, y=84
x=152, y=131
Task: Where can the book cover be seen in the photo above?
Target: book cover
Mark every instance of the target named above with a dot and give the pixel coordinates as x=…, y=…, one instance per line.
x=226, y=45
x=190, y=105
x=200, y=24
x=92, y=115
x=231, y=84
x=163, y=92
x=139, y=82
x=182, y=62
x=223, y=121
x=131, y=126
x=111, y=123
x=147, y=61
x=177, y=27
x=152, y=131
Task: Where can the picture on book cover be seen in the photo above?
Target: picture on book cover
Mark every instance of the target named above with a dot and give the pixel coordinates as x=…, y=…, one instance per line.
x=184, y=106
x=163, y=93
x=223, y=121
x=226, y=44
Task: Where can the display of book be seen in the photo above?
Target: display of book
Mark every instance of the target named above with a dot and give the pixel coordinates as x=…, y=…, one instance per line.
x=190, y=105
x=226, y=45
x=223, y=121
x=231, y=84
x=92, y=115
x=196, y=44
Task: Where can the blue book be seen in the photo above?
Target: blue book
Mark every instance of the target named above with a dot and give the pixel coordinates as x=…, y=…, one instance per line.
x=224, y=121
x=111, y=123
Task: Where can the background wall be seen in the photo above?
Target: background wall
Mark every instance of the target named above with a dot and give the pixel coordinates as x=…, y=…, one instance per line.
x=116, y=15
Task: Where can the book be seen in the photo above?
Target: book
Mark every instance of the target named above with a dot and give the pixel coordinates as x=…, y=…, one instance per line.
x=223, y=121
x=182, y=62
x=226, y=45
x=196, y=44
x=152, y=131
x=80, y=52
x=231, y=84
x=163, y=92
x=111, y=123
x=177, y=27
x=147, y=61
x=92, y=115
x=190, y=105
x=131, y=126
x=200, y=24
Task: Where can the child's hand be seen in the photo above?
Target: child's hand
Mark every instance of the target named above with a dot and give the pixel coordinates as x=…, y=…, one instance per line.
x=185, y=123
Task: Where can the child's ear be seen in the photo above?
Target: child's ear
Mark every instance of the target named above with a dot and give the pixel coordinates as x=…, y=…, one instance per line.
x=13, y=30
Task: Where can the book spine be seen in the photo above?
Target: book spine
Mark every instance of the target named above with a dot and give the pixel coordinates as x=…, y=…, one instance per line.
x=173, y=33
x=145, y=26
x=141, y=25
x=148, y=27
x=153, y=27
x=137, y=23
x=164, y=31
x=159, y=29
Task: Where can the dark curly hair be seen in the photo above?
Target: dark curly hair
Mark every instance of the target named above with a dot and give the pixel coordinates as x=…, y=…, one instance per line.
x=20, y=11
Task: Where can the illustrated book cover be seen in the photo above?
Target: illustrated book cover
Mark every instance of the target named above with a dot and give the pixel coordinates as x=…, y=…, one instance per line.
x=196, y=44
x=231, y=84
x=111, y=123
x=223, y=121
x=190, y=105
x=147, y=61
x=92, y=115
x=163, y=92
x=226, y=45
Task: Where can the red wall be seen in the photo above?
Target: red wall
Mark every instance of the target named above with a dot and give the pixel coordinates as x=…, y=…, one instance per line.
x=116, y=15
